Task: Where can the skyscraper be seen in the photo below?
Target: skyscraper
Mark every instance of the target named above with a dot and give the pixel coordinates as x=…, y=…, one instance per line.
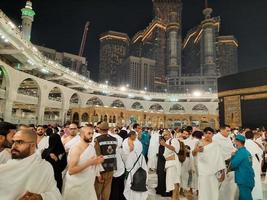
x=138, y=72
x=227, y=55
x=114, y=47
x=194, y=63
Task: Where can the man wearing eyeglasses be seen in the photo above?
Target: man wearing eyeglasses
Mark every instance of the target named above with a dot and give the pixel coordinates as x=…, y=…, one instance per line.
x=211, y=166
x=72, y=138
x=27, y=176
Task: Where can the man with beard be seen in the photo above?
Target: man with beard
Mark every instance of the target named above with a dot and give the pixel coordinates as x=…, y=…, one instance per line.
x=42, y=139
x=83, y=168
x=72, y=138
x=27, y=175
x=7, y=131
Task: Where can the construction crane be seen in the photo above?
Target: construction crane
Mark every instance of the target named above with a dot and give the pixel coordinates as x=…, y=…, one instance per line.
x=86, y=27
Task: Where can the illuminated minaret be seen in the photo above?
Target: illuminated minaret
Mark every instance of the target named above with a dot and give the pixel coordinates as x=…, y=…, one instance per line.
x=173, y=47
x=170, y=13
x=208, y=43
x=27, y=19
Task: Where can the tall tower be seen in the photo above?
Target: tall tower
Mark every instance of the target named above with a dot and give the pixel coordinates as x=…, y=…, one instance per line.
x=208, y=43
x=114, y=47
x=170, y=13
x=27, y=19
x=173, y=46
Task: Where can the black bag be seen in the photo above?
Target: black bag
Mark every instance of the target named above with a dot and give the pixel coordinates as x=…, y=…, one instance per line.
x=182, y=152
x=138, y=183
x=126, y=173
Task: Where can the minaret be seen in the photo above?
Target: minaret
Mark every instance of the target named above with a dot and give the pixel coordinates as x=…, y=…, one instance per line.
x=208, y=43
x=172, y=32
x=27, y=19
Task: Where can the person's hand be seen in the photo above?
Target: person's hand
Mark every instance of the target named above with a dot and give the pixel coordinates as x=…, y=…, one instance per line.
x=96, y=160
x=100, y=179
x=53, y=156
x=31, y=196
x=233, y=153
x=99, y=160
x=221, y=179
x=162, y=142
x=199, y=148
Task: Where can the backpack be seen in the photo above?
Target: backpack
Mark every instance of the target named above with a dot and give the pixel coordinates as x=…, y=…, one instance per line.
x=182, y=152
x=139, y=178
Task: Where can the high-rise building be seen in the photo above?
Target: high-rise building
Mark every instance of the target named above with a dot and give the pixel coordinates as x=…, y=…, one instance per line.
x=27, y=19
x=114, y=47
x=191, y=64
x=138, y=72
x=227, y=55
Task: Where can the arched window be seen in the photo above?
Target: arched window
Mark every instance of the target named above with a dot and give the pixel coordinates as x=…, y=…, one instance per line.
x=75, y=99
x=177, y=108
x=117, y=104
x=29, y=87
x=85, y=117
x=200, y=107
x=55, y=94
x=137, y=106
x=94, y=101
x=156, y=108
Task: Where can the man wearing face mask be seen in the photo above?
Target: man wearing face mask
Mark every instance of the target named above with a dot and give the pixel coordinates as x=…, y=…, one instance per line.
x=228, y=187
x=7, y=131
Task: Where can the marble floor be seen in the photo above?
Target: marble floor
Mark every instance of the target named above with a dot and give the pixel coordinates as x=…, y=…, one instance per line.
x=152, y=183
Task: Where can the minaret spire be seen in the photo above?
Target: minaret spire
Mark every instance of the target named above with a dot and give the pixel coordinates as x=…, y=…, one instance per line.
x=207, y=11
x=27, y=17
x=206, y=4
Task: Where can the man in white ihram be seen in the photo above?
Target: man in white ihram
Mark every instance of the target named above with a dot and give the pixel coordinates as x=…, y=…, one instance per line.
x=132, y=150
x=172, y=165
x=153, y=150
x=211, y=166
x=27, y=176
x=42, y=139
x=72, y=138
x=228, y=187
x=257, y=154
x=83, y=168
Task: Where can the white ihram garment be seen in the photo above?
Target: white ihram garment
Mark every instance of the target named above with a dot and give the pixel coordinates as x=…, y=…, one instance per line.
x=71, y=143
x=228, y=189
x=254, y=149
x=173, y=167
x=153, y=151
x=5, y=156
x=31, y=174
x=80, y=186
x=185, y=168
x=43, y=144
x=130, y=158
x=210, y=161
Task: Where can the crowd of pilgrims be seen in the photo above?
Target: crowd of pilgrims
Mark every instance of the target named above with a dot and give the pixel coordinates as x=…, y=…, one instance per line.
x=110, y=163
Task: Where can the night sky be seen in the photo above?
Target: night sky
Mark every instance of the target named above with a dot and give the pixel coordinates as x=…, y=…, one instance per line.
x=59, y=24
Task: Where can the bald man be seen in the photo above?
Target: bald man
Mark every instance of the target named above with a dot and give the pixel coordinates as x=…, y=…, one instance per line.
x=27, y=175
x=84, y=167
